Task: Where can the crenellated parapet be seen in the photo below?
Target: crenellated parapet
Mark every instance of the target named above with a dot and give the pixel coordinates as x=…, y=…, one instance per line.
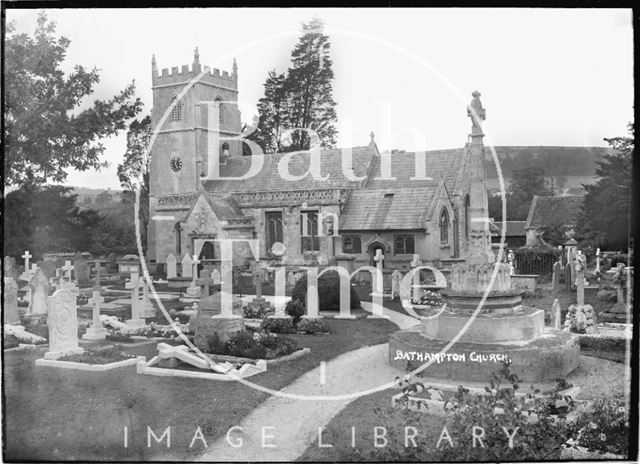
x=186, y=73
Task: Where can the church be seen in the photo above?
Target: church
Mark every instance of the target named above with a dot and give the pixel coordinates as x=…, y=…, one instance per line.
x=400, y=202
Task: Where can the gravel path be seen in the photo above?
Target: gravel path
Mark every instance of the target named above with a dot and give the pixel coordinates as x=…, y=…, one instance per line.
x=296, y=422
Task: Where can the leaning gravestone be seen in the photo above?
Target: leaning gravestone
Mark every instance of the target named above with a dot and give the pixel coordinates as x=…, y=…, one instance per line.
x=171, y=266
x=63, y=325
x=39, y=286
x=10, y=302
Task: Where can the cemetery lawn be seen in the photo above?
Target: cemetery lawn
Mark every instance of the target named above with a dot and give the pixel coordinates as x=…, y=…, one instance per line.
x=365, y=414
x=60, y=414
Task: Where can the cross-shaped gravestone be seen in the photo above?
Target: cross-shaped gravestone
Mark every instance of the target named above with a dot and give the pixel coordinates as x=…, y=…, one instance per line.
x=193, y=290
x=96, y=331
x=146, y=307
x=67, y=268
x=27, y=256
x=379, y=258
x=134, y=284
x=204, y=282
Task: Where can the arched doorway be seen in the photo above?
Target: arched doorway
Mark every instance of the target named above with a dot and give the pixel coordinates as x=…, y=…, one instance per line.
x=207, y=256
x=372, y=250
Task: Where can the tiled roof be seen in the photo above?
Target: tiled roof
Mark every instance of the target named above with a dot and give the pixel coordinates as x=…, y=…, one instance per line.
x=223, y=206
x=514, y=228
x=269, y=179
x=547, y=211
x=445, y=165
x=386, y=209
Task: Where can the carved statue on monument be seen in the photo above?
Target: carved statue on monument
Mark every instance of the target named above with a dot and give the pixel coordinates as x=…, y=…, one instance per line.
x=476, y=112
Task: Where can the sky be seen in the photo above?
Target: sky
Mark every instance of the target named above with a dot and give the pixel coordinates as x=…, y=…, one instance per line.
x=547, y=76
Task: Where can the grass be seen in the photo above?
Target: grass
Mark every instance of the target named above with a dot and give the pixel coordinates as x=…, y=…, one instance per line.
x=55, y=414
x=103, y=356
x=365, y=414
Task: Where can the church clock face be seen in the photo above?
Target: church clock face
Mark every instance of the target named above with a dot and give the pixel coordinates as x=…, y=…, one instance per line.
x=176, y=163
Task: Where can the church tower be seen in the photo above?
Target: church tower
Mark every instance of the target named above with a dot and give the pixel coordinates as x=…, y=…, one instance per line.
x=192, y=105
x=180, y=118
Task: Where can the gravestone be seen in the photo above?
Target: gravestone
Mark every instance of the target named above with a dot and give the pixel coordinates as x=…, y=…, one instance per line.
x=96, y=331
x=187, y=266
x=556, y=314
x=82, y=269
x=313, y=305
x=97, y=286
x=10, y=302
x=67, y=268
x=396, y=279
x=147, y=310
x=379, y=282
x=215, y=276
x=205, y=281
x=555, y=280
x=39, y=287
x=219, y=314
x=133, y=284
x=9, y=267
x=63, y=325
x=258, y=277
x=48, y=267
x=171, y=266
x=620, y=312
x=193, y=290
x=581, y=318
x=112, y=264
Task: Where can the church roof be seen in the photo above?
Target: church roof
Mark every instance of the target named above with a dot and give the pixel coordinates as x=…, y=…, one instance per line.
x=439, y=165
x=268, y=178
x=223, y=206
x=550, y=211
x=380, y=209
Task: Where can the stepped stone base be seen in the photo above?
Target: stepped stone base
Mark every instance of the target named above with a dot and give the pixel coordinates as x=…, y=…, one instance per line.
x=179, y=282
x=554, y=355
x=524, y=325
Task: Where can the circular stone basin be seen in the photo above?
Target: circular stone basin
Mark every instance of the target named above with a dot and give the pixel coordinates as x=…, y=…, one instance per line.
x=524, y=325
x=554, y=355
x=495, y=302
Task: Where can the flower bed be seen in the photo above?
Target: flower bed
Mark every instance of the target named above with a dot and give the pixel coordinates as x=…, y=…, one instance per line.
x=98, y=356
x=258, y=345
x=429, y=299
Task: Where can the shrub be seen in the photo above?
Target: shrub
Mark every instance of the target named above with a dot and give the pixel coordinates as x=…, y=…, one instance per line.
x=244, y=345
x=216, y=346
x=277, y=324
x=311, y=326
x=284, y=346
x=252, y=312
x=605, y=427
x=328, y=292
x=295, y=309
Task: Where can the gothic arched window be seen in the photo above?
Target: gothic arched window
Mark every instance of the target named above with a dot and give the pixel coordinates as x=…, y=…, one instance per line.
x=467, y=203
x=444, y=226
x=178, y=231
x=220, y=104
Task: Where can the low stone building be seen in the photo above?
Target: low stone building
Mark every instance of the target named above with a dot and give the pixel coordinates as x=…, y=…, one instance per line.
x=547, y=213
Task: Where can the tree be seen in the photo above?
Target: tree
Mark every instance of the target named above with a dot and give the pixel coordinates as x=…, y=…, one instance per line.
x=273, y=117
x=525, y=184
x=133, y=172
x=607, y=203
x=309, y=85
x=45, y=131
x=300, y=102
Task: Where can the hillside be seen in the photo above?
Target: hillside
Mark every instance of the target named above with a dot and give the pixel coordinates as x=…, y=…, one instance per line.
x=556, y=161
